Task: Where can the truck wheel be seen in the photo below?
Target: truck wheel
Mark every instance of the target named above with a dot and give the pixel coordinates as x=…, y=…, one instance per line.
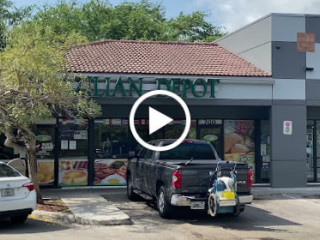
x=238, y=209
x=164, y=207
x=130, y=193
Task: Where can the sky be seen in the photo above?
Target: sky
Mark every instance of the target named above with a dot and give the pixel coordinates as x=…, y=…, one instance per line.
x=231, y=14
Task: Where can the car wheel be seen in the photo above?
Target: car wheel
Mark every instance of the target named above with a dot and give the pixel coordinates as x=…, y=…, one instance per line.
x=19, y=219
x=130, y=193
x=164, y=206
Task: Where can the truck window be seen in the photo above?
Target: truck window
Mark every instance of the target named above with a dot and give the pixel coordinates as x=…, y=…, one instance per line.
x=148, y=155
x=189, y=151
x=142, y=152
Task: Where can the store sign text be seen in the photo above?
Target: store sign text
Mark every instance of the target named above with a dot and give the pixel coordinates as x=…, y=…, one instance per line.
x=128, y=87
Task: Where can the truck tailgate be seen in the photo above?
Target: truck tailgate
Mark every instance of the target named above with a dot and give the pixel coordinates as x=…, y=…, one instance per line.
x=195, y=178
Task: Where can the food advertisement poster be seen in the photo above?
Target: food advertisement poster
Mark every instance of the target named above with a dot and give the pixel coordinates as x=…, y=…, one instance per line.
x=73, y=172
x=239, y=141
x=110, y=172
x=45, y=172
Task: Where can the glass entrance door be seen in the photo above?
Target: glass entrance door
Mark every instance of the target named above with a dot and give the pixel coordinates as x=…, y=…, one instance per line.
x=211, y=130
x=313, y=151
x=309, y=152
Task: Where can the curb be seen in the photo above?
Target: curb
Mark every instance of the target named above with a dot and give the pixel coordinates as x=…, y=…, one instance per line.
x=110, y=222
x=57, y=217
x=69, y=218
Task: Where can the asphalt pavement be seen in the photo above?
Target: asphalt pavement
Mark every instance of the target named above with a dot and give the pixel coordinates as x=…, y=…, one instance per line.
x=273, y=215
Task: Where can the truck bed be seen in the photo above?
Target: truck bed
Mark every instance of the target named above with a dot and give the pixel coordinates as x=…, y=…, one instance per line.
x=196, y=178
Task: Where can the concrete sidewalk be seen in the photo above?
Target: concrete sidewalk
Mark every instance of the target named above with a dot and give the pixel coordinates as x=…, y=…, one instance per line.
x=88, y=207
x=268, y=192
x=93, y=209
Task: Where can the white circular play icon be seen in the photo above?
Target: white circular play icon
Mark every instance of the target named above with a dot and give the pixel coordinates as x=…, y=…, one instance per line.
x=158, y=120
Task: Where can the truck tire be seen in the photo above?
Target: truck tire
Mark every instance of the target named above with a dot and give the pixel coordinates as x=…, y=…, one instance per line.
x=164, y=206
x=238, y=209
x=130, y=193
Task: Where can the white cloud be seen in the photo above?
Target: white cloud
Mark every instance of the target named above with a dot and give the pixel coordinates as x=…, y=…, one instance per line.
x=233, y=14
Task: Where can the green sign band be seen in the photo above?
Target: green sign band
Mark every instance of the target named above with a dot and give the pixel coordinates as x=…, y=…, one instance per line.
x=180, y=86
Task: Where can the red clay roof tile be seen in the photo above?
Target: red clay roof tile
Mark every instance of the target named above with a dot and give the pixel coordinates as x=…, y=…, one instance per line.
x=172, y=58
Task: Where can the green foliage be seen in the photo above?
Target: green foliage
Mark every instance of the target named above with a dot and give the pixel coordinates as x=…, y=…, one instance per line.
x=31, y=85
x=192, y=28
x=34, y=85
x=10, y=16
x=98, y=20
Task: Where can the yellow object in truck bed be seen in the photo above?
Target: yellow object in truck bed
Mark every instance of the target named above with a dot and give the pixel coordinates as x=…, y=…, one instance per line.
x=227, y=195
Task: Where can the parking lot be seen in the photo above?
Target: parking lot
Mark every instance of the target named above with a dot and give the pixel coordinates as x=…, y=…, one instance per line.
x=274, y=217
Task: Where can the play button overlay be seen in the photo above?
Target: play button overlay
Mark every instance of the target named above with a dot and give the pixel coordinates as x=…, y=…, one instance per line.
x=158, y=120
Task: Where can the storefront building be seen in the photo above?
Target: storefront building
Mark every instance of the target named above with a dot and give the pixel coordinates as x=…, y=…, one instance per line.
x=288, y=45
x=253, y=95
x=220, y=89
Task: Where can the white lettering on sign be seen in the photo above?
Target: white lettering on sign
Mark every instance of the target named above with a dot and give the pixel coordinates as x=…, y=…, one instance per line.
x=287, y=127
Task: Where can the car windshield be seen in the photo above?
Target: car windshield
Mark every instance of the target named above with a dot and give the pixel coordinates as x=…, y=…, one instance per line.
x=189, y=151
x=6, y=171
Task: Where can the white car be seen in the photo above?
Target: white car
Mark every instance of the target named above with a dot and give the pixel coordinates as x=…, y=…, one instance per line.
x=17, y=195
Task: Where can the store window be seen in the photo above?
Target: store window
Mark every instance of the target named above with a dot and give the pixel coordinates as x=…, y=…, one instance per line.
x=211, y=130
x=142, y=128
x=171, y=131
x=174, y=129
x=112, y=151
x=45, y=143
x=265, y=151
x=73, y=158
x=239, y=142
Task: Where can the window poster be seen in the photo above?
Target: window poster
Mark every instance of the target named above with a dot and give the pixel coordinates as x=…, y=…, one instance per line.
x=72, y=145
x=45, y=171
x=239, y=142
x=64, y=145
x=110, y=172
x=80, y=134
x=73, y=172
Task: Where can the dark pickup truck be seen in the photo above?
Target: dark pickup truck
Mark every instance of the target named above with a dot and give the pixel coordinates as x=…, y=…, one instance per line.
x=180, y=177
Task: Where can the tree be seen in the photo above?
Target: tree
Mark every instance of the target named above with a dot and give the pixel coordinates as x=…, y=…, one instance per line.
x=99, y=20
x=193, y=28
x=35, y=84
x=10, y=16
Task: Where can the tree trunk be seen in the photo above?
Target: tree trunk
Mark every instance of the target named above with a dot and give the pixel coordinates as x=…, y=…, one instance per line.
x=32, y=167
x=30, y=148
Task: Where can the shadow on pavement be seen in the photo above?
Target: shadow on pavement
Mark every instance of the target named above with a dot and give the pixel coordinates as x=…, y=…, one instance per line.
x=30, y=226
x=252, y=219
x=145, y=213
x=58, y=193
